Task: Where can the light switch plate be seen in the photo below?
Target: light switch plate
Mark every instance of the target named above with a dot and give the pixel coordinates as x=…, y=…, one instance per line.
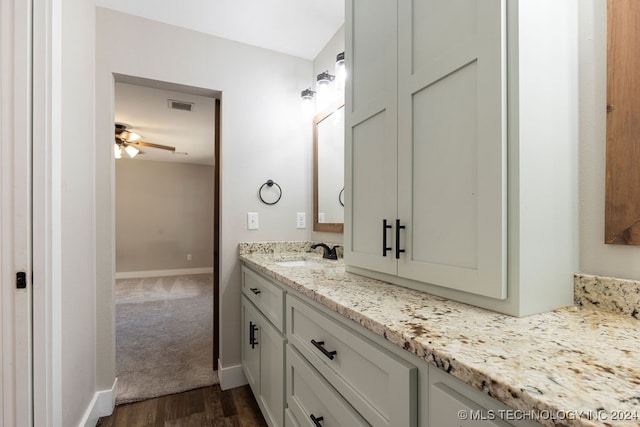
x=301, y=220
x=252, y=221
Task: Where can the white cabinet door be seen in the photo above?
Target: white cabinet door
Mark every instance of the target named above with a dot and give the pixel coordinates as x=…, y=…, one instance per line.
x=271, y=374
x=250, y=341
x=452, y=143
x=371, y=132
x=263, y=362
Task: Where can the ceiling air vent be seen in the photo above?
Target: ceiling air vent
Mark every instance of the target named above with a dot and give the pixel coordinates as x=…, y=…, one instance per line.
x=180, y=105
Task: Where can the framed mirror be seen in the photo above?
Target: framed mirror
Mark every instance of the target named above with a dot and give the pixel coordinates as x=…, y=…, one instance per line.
x=328, y=169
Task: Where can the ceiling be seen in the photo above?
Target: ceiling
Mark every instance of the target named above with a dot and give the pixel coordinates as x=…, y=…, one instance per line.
x=146, y=111
x=295, y=27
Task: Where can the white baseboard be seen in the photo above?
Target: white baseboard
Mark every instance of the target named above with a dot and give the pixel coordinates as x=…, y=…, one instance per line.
x=101, y=405
x=231, y=376
x=162, y=273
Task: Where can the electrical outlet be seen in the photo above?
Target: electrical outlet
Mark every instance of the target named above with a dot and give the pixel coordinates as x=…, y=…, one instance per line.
x=252, y=221
x=301, y=220
x=188, y=257
x=321, y=217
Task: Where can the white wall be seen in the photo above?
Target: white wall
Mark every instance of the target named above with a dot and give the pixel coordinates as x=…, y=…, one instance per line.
x=77, y=251
x=263, y=134
x=326, y=60
x=164, y=211
x=596, y=257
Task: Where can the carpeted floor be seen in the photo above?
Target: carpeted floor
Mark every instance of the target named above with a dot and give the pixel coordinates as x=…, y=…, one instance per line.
x=164, y=336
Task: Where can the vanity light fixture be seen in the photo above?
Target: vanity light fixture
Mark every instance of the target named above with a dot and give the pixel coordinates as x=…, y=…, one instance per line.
x=341, y=71
x=324, y=79
x=307, y=94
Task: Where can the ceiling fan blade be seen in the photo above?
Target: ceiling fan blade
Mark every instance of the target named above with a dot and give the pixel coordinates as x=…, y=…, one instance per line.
x=152, y=145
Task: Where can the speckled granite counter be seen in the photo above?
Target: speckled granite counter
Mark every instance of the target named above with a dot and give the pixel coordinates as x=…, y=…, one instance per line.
x=568, y=362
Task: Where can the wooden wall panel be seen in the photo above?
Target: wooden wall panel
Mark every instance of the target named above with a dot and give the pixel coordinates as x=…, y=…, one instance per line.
x=622, y=200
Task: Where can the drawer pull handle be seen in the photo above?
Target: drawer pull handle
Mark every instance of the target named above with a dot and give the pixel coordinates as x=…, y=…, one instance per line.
x=316, y=420
x=385, y=227
x=256, y=291
x=252, y=334
x=398, y=228
x=320, y=346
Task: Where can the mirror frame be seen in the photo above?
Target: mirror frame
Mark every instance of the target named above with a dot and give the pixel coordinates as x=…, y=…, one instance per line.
x=331, y=227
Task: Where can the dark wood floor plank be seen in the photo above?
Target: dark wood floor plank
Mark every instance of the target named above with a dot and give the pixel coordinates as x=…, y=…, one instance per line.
x=212, y=403
x=247, y=407
x=231, y=421
x=208, y=406
x=182, y=405
x=228, y=405
x=138, y=414
x=194, y=420
x=160, y=411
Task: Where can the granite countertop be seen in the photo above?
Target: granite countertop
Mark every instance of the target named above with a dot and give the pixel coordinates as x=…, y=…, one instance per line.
x=581, y=364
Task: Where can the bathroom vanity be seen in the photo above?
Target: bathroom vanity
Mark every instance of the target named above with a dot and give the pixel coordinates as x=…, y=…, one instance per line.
x=324, y=347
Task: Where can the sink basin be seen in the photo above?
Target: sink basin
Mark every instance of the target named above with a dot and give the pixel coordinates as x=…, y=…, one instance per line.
x=296, y=263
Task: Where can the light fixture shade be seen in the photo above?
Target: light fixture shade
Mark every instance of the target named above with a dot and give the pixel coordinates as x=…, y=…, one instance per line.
x=117, y=151
x=324, y=79
x=307, y=94
x=341, y=70
x=131, y=151
x=129, y=136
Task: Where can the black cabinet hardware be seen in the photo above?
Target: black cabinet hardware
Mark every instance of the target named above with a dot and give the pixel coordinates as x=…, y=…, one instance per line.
x=398, y=228
x=320, y=346
x=21, y=280
x=252, y=334
x=385, y=227
x=256, y=291
x=316, y=420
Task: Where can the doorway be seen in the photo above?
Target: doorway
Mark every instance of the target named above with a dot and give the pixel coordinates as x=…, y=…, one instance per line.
x=167, y=204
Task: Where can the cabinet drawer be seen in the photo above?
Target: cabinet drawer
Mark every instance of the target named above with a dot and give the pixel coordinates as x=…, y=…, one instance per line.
x=290, y=419
x=448, y=408
x=453, y=403
x=380, y=386
x=309, y=396
x=268, y=297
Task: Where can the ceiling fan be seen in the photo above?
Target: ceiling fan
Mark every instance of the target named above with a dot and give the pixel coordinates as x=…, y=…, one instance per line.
x=127, y=140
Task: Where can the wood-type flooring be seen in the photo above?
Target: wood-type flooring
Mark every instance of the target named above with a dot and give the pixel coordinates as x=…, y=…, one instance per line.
x=208, y=406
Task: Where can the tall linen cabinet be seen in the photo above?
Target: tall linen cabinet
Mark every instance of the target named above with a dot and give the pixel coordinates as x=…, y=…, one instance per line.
x=461, y=148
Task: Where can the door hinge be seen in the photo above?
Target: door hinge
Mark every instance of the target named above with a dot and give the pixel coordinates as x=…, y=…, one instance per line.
x=21, y=280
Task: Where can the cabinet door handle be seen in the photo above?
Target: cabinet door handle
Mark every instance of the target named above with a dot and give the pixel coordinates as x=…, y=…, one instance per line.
x=385, y=227
x=320, y=346
x=252, y=334
x=398, y=228
x=256, y=291
x=316, y=420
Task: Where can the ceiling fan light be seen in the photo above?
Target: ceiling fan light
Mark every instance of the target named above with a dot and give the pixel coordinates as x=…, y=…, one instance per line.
x=129, y=136
x=117, y=151
x=134, y=136
x=131, y=151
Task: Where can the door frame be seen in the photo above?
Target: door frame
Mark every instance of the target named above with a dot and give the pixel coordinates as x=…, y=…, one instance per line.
x=30, y=330
x=16, y=328
x=217, y=96
x=47, y=213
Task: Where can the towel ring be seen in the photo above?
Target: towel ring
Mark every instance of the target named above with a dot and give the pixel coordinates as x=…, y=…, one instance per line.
x=270, y=183
x=341, y=197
